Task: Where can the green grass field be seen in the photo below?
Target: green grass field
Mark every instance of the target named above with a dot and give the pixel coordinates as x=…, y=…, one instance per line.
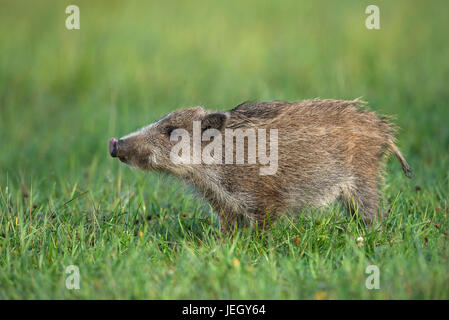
x=64, y=201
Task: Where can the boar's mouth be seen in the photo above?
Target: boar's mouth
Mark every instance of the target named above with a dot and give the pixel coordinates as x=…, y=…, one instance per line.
x=123, y=159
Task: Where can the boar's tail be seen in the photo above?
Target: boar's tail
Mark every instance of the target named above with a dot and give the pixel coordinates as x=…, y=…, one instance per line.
x=405, y=167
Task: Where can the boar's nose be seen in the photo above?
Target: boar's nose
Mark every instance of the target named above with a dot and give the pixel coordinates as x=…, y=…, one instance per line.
x=113, y=143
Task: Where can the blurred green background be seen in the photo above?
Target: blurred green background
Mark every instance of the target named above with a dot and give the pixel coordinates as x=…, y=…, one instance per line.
x=64, y=93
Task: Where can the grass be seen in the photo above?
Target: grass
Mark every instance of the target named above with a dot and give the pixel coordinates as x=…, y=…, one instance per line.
x=64, y=202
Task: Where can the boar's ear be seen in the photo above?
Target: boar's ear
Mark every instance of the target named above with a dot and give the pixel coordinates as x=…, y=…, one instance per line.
x=215, y=120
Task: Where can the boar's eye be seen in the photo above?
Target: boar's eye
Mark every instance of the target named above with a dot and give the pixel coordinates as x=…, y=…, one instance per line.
x=168, y=130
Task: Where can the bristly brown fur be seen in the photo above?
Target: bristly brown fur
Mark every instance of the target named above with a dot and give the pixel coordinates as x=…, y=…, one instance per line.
x=327, y=150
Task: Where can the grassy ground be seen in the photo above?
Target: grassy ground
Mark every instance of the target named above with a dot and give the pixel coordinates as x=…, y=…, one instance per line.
x=64, y=202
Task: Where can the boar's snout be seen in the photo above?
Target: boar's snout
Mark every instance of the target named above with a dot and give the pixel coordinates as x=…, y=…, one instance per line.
x=113, y=146
x=117, y=149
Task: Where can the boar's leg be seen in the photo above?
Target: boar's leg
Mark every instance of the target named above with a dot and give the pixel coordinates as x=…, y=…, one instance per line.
x=228, y=221
x=363, y=200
